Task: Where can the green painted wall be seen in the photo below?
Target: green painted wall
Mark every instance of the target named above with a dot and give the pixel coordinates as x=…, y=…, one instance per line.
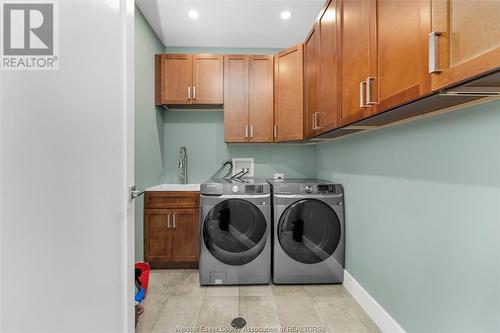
x=202, y=132
x=149, y=136
x=423, y=218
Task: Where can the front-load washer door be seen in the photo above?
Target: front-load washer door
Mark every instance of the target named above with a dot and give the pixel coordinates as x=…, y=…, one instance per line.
x=309, y=231
x=234, y=231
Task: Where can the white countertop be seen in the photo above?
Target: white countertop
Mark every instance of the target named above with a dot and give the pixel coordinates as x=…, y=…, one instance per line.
x=175, y=188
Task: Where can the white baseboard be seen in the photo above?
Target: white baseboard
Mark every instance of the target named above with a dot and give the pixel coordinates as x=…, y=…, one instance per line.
x=384, y=321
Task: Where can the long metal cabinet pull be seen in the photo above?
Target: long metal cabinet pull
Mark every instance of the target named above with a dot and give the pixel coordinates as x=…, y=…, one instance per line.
x=246, y=131
x=251, y=131
x=369, y=101
x=175, y=222
x=275, y=131
x=189, y=93
x=433, y=52
x=168, y=221
x=362, y=86
x=194, y=93
x=315, y=121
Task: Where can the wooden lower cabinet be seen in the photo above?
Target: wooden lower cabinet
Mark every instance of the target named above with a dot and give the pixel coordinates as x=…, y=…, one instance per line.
x=171, y=236
x=185, y=231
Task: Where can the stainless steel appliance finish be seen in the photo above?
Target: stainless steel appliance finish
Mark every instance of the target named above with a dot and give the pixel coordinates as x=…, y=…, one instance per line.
x=235, y=232
x=309, y=231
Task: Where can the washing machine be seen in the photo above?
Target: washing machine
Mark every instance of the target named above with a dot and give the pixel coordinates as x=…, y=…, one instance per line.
x=308, y=231
x=235, y=232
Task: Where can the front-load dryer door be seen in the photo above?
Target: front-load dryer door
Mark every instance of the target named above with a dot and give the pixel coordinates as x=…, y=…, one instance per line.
x=234, y=231
x=309, y=231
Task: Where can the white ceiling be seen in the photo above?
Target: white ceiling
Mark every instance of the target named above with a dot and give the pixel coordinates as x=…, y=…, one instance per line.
x=231, y=23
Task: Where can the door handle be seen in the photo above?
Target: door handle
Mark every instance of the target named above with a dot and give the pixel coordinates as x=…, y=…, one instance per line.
x=362, y=86
x=194, y=93
x=275, y=131
x=246, y=131
x=251, y=131
x=189, y=93
x=316, y=121
x=433, y=52
x=369, y=101
x=168, y=221
x=174, y=222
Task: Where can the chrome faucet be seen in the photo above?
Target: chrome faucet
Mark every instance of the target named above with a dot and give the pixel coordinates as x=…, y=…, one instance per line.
x=182, y=165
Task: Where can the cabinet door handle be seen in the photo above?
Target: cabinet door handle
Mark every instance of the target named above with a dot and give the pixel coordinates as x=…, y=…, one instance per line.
x=174, y=222
x=168, y=221
x=433, y=52
x=194, y=93
x=246, y=131
x=315, y=121
x=362, y=86
x=275, y=131
x=369, y=101
x=251, y=131
x=189, y=93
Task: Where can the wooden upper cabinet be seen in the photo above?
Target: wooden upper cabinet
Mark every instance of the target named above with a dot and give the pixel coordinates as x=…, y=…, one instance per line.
x=358, y=58
x=174, y=73
x=236, y=105
x=189, y=79
x=288, y=94
x=402, y=57
x=329, y=64
x=208, y=79
x=248, y=98
x=261, y=104
x=466, y=35
x=311, y=83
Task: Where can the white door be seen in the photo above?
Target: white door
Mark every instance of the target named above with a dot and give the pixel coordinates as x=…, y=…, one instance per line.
x=66, y=149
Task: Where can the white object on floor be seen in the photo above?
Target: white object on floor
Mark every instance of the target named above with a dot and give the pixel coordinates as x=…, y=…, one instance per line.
x=375, y=311
x=240, y=164
x=279, y=176
x=175, y=188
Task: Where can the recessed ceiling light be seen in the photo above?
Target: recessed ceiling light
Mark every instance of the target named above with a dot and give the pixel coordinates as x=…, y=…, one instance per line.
x=285, y=15
x=193, y=14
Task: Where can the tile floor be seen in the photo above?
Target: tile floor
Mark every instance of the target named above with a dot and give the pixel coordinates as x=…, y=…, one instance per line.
x=176, y=303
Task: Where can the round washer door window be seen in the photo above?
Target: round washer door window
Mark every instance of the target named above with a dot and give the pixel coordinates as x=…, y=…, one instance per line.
x=309, y=231
x=234, y=231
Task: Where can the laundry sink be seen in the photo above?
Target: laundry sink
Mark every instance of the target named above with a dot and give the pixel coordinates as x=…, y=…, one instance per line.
x=175, y=188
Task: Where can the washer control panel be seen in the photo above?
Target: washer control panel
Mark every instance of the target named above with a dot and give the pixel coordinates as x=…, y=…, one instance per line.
x=254, y=189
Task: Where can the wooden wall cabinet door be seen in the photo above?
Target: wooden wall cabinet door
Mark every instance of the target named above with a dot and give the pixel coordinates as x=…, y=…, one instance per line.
x=184, y=79
x=358, y=57
x=402, y=34
x=248, y=98
x=174, y=74
x=157, y=236
x=329, y=64
x=185, y=235
x=208, y=79
x=465, y=40
x=261, y=104
x=236, y=98
x=311, y=83
x=289, y=91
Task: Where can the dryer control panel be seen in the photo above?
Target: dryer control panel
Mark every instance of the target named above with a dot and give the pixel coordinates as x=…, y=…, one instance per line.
x=329, y=189
x=254, y=189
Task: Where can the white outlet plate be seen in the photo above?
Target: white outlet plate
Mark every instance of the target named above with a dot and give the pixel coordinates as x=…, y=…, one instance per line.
x=243, y=164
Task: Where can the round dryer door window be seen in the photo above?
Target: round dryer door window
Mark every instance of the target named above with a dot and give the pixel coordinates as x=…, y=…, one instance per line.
x=234, y=231
x=309, y=231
